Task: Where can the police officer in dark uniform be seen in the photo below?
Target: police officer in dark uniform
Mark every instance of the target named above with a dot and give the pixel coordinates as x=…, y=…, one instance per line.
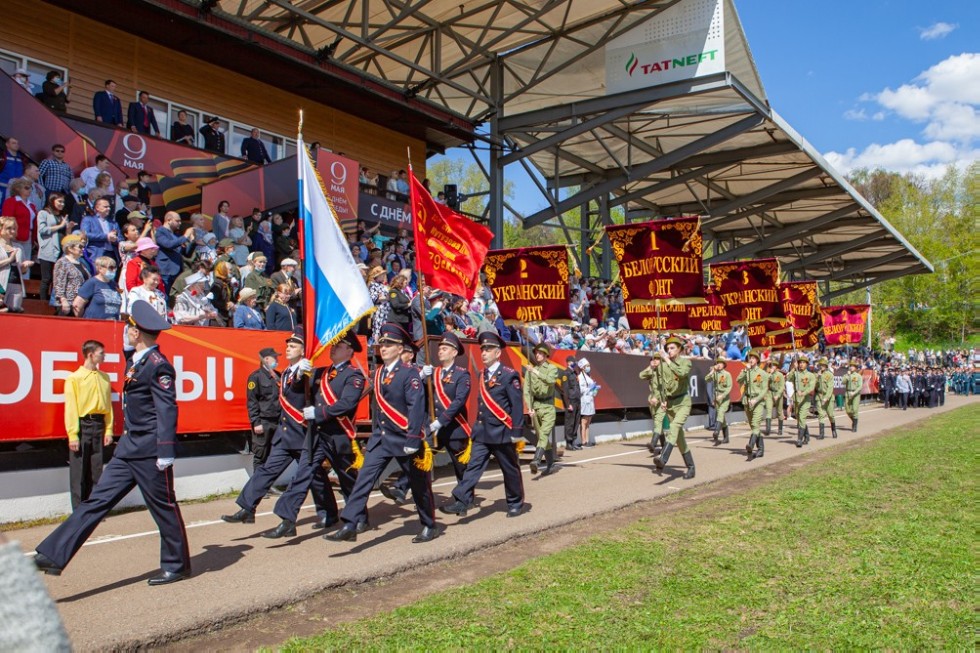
x=451, y=389
x=886, y=385
x=499, y=425
x=396, y=433
x=288, y=445
x=262, y=401
x=571, y=395
x=399, y=489
x=143, y=458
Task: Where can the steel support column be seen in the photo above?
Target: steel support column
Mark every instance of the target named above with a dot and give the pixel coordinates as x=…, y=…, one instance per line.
x=496, y=199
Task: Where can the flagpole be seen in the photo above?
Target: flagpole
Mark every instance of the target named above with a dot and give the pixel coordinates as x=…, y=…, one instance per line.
x=307, y=333
x=425, y=331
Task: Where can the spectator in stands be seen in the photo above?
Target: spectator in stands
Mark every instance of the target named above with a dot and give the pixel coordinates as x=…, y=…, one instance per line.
x=182, y=132
x=103, y=182
x=200, y=265
x=221, y=222
x=263, y=240
x=126, y=248
x=257, y=281
x=56, y=174
x=38, y=193
x=51, y=226
x=399, y=301
x=23, y=78
x=70, y=272
x=254, y=150
x=143, y=190
x=146, y=251
x=378, y=290
x=101, y=231
x=19, y=207
x=286, y=275
x=54, y=92
x=106, y=105
x=284, y=237
x=75, y=200
x=11, y=166
x=402, y=185
x=214, y=139
x=440, y=198
x=13, y=267
x=193, y=306
x=368, y=181
x=223, y=294
x=246, y=316
x=278, y=316
x=150, y=291
x=90, y=174
x=130, y=204
x=236, y=231
x=226, y=253
x=172, y=247
x=140, y=118
x=98, y=298
x=199, y=239
x=393, y=185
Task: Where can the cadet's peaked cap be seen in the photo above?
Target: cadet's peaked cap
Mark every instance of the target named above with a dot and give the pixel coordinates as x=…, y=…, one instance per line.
x=854, y=363
x=268, y=351
x=297, y=337
x=452, y=340
x=393, y=334
x=490, y=339
x=803, y=359
x=351, y=340
x=755, y=355
x=543, y=347
x=145, y=318
x=721, y=359
x=675, y=340
x=823, y=361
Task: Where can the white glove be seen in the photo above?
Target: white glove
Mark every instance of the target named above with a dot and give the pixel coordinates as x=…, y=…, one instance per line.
x=427, y=371
x=163, y=463
x=309, y=412
x=435, y=426
x=410, y=450
x=304, y=365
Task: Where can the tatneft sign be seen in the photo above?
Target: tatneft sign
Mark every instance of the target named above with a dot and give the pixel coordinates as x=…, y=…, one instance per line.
x=683, y=42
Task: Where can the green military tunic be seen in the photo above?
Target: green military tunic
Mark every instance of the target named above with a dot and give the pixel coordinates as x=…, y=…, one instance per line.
x=675, y=380
x=658, y=410
x=852, y=393
x=803, y=386
x=755, y=386
x=540, y=382
x=824, y=397
x=774, y=398
x=723, y=393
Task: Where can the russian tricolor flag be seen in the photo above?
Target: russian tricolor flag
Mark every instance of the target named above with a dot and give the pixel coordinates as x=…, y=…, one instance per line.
x=335, y=297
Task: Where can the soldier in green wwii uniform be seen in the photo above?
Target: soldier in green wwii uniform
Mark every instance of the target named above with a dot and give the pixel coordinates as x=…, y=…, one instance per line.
x=722, y=381
x=824, y=396
x=675, y=382
x=804, y=381
x=774, y=398
x=540, y=383
x=658, y=405
x=754, y=383
x=852, y=389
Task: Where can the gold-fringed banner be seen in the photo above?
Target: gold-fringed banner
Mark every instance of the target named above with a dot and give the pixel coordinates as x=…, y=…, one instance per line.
x=530, y=284
x=670, y=318
x=710, y=317
x=800, y=303
x=749, y=289
x=844, y=325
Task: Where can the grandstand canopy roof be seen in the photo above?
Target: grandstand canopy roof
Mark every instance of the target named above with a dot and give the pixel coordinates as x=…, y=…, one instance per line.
x=536, y=69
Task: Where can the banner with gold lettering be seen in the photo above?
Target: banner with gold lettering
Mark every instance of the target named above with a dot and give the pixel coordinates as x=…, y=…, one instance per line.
x=530, y=284
x=670, y=318
x=771, y=334
x=844, y=325
x=659, y=261
x=749, y=289
x=800, y=303
x=710, y=317
x=809, y=338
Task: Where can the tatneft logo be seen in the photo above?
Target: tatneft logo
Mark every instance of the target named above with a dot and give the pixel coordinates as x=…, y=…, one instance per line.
x=667, y=64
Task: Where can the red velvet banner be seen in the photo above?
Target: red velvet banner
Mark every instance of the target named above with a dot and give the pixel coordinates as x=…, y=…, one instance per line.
x=771, y=334
x=659, y=261
x=667, y=318
x=800, y=303
x=708, y=318
x=450, y=249
x=844, y=325
x=809, y=338
x=530, y=284
x=749, y=289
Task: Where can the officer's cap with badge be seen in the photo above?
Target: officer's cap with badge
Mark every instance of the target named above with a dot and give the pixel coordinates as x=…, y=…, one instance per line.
x=297, y=338
x=351, y=340
x=145, y=318
x=393, y=334
x=268, y=351
x=452, y=340
x=490, y=339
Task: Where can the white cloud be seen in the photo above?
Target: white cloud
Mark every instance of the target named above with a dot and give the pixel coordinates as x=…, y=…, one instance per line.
x=939, y=30
x=856, y=114
x=929, y=159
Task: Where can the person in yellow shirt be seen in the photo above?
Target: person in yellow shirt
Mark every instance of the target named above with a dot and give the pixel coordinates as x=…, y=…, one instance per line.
x=88, y=421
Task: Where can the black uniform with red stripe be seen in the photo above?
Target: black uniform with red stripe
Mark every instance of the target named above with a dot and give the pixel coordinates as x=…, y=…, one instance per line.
x=398, y=415
x=452, y=390
x=499, y=422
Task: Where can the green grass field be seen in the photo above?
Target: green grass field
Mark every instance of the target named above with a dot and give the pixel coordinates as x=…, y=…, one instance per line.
x=873, y=548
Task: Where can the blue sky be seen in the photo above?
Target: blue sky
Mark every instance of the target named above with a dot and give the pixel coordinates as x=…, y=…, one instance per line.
x=870, y=83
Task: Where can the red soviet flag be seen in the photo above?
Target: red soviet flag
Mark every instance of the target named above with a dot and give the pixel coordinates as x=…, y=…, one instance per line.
x=449, y=248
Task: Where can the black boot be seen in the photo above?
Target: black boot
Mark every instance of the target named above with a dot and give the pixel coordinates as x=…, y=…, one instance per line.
x=286, y=528
x=549, y=460
x=769, y=427
x=750, y=446
x=820, y=436
x=806, y=434
x=661, y=460
x=833, y=430
x=799, y=435
x=761, y=442
x=241, y=517
x=652, y=444
x=724, y=434
x=854, y=426
x=714, y=436
x=536, y=461
x=689, y=461
x=780, y=432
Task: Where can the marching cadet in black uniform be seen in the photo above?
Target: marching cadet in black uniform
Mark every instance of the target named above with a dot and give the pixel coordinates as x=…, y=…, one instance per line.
x=398, y=421
x=262, y=401
x=288, y=445
x=451, y=386
x=398, y=490
x=143, y=458
x=499, y=423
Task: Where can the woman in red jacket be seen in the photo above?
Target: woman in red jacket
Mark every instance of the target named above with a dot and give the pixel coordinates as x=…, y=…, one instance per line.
x=18, y=207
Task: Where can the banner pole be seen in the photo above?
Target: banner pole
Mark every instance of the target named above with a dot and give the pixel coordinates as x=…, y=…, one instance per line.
x=425, y=332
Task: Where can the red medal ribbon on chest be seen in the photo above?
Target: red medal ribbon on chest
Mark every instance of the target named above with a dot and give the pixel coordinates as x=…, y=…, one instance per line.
x=445, y=401
x=495, y=409
x=392, y=413
x=291, y=410
x=330, y=398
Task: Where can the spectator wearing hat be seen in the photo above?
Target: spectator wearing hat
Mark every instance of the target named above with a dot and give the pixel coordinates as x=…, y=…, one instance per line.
x=130, y=204
x=143, y=458
x=150, y=291
x=540, y=384
x=170, y=258
x=214, y=138
x=193, y=306
x=499, y=426
x=253, y=276
x=279, y=316
x=246, y=315
x=285, y=275
x=588, y=390
x=140, y=118
x=70, y=272
x=262, y=402
x=23, y=78
x=676, y=378
x=145, y=256
x=721, y=384
x=106, y=105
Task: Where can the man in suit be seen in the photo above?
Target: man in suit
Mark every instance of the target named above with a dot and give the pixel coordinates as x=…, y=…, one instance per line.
x=140, y=118
x=451, y=389
x=107, y=106
x=254, y=150
x=499, y=424
x=396, y=434
x=170, y=258
x=144, y=457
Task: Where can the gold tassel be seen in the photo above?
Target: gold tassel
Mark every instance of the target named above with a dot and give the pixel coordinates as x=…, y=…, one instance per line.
x=423, y=461
x=519, y=445
x=464, y=455
x=358, y=455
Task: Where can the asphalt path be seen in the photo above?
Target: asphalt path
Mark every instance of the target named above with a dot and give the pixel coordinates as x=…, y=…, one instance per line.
x=106, y=604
